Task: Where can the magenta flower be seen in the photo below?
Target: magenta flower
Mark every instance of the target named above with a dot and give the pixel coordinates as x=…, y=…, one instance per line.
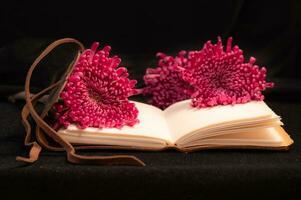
x=96, y=93
x=165, y=84
x=222, y=77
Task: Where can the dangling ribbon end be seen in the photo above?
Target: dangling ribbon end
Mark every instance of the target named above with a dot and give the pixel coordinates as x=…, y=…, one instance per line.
x=33, y=154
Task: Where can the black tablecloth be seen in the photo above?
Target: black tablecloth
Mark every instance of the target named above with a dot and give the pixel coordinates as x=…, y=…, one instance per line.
x=168, y=174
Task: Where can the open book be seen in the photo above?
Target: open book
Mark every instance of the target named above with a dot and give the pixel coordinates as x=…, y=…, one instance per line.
x=180, y=126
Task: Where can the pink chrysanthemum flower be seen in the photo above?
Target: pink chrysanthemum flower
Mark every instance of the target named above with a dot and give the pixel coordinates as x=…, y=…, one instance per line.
x=222, y=77
x=96, y=93
x=164, y=84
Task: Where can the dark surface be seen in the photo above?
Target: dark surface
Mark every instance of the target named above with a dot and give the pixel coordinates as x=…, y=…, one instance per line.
x=268, y=30
x=209, y=173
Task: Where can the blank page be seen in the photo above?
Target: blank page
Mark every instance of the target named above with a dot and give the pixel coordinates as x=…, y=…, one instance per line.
x=152, y=124
x=262, y=136
x=268, y=137
x=183, y=119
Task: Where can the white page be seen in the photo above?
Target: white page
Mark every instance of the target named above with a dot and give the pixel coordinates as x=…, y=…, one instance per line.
x=152, y=124
x=182, y=118
x=261, y=136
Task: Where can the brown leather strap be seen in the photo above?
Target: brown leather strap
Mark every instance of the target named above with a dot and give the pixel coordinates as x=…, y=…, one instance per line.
x=71, y=154
x=36, y=148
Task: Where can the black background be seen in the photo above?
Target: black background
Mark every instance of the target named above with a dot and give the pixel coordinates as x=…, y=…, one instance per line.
x=268, y=30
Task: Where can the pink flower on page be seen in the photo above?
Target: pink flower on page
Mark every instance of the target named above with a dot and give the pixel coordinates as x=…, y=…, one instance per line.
x=164, y=83
x=96, y=93
x=221, y=77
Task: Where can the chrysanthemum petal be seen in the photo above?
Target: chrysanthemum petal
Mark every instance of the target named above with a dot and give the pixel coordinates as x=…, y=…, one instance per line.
x=96, y=93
